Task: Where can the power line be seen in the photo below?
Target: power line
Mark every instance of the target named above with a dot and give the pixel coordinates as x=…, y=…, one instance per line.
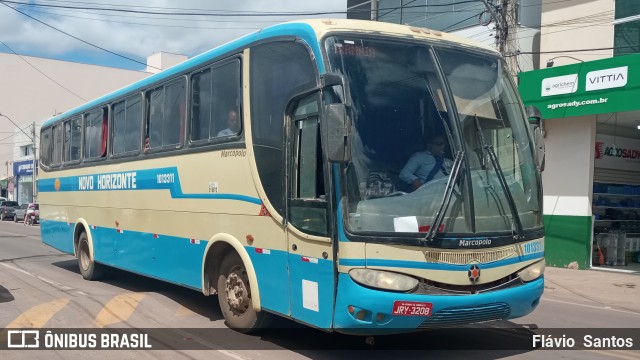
x=145, y=24
x=463, y=20
x=77, y=38
x=38, y=70
x=222, y=13
x=575, y=50
x=16, y=125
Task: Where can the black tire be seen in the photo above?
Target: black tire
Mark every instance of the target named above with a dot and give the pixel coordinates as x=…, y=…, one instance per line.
x=234, y=296
x=88, y=268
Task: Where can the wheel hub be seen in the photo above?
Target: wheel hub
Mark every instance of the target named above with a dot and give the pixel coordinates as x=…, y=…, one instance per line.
x=237, y=293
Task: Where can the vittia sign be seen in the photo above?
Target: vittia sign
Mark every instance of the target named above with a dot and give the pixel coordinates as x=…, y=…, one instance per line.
x=607, y=78
x=617, y=153
x=559, y=85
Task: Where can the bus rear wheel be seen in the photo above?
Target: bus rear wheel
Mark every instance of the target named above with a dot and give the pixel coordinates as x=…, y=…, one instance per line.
x=88, y=268
x=234, y=296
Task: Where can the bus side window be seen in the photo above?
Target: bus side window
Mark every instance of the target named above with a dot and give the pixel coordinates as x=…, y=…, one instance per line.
x=95, y=134
x=172, y=125
x=56, y=148
x=155, y=99
x=46, y=145
x=227, y=118
x=200, y=105
x=165, y=116
x=126, y=127
x=72, y=135
x=307, y=205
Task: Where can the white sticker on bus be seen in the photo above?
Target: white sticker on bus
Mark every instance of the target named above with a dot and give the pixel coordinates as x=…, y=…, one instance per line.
x=213, y=187
x=310, y=295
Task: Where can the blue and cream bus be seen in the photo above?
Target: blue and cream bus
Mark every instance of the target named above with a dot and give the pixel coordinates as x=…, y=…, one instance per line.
x=295, y=207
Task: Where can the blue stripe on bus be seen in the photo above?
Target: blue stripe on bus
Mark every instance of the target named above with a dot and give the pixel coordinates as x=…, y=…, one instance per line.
x=436, y=266
x=179, y=260
x=148, y=179
x=301, y=30
x=171, y=258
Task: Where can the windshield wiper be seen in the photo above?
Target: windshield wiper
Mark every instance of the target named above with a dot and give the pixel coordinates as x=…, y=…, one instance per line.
x=501, y=179
x=446, y=199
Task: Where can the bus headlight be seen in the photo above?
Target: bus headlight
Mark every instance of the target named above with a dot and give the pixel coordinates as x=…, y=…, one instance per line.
x=383, y=279
x=532, y=271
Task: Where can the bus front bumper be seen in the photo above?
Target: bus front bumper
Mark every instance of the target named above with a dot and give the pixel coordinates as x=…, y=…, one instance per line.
x=361, y=310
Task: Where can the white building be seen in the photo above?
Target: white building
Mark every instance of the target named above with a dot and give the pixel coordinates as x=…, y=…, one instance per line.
x=33, y=90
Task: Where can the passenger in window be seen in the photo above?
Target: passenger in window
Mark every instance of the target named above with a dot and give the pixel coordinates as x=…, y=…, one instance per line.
x=427, y=165
x=233, y=124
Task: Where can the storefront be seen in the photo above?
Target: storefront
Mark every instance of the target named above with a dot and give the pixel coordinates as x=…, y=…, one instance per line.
x=23, y=179
x=591, y=113
x=4, y=186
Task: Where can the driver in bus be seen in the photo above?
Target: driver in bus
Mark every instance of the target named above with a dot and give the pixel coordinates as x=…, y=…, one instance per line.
x=233, y=124
x=427, y=165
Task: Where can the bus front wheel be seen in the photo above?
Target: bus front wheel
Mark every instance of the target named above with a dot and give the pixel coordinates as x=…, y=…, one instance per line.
x=234, y=296
x=88, y=268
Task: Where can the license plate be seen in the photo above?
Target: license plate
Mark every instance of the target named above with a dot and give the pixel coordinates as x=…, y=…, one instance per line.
x=411, y=308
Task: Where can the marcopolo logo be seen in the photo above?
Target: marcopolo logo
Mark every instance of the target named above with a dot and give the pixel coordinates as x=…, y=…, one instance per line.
x=607, y=78
x=559, y=85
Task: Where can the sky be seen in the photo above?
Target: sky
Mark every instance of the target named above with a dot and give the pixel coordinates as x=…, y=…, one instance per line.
x=135, y=33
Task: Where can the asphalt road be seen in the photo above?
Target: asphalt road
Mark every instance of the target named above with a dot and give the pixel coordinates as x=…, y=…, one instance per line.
x=42, y=288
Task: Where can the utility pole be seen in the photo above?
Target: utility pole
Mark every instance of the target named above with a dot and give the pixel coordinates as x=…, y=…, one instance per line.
x=374, y=10
x=34, y=195
x=505, y=18
x=511, y=48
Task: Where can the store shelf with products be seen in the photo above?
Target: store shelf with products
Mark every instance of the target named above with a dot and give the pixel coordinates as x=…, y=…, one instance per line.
x=616, y=211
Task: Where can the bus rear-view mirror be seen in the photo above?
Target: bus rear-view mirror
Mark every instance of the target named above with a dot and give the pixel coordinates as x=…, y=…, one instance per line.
x=337, y=133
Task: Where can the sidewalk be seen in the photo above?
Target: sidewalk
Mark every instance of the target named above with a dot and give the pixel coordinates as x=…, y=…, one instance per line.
x=595, y=287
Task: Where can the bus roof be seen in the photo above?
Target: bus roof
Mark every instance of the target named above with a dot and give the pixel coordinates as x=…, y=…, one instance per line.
x=323, y=26
x=309, y=30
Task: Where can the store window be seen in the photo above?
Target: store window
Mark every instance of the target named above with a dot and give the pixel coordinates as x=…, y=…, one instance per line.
x=626, y=38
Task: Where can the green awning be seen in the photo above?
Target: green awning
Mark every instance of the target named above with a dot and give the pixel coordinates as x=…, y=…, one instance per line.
x=587, y=88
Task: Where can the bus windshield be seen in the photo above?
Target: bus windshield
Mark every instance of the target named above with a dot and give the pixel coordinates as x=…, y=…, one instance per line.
x=416, y=108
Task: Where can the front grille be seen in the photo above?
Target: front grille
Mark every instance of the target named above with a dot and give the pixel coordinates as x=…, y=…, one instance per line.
x=465, y=257
x=436, y=288
x=467, y=315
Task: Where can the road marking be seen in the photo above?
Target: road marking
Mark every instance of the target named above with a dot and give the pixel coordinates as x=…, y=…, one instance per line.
x=184, y=311
x=234, y=355
x=608, y=308
x=48, y=281
x=119, y=309
x=39, y=315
